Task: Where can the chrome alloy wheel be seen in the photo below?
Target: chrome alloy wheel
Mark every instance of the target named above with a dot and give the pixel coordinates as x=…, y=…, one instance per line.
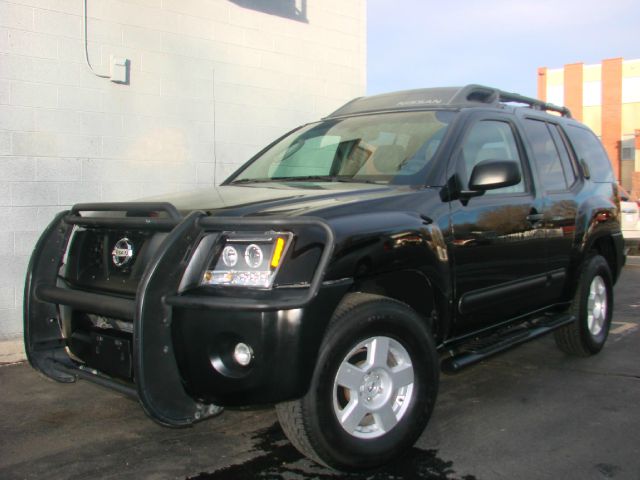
x=597, y=305
x=373, y=387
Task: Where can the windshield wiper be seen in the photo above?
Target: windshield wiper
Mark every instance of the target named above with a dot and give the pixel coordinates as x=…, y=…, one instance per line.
x=306, y=178
x=250, y=180
x=360, y=180
x=309, y=178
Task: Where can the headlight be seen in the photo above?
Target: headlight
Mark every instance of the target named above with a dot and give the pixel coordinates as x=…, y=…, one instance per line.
x=230, y=256
x=248, y=260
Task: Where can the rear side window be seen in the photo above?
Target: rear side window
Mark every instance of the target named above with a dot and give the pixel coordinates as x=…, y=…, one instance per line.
x=589, y=150
x=546, y=156
x=565, y=156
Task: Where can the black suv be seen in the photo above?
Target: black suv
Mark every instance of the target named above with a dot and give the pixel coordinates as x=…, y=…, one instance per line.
x=340, y=270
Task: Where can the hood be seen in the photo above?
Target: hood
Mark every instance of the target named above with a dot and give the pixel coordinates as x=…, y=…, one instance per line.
x=276, y=198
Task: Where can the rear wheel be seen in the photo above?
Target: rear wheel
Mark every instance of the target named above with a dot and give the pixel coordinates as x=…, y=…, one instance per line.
x=593, y=307
x=373, y=388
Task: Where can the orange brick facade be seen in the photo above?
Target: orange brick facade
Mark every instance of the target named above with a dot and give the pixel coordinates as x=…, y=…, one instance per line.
x=612, y=110
x=573, y=89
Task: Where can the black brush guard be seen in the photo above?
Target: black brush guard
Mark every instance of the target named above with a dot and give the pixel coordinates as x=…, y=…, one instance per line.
x=158, y=384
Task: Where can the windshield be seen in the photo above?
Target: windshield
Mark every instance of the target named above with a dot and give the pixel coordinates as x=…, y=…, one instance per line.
x=385, y=148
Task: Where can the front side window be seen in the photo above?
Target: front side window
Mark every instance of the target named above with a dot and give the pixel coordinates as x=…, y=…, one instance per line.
x=490, y=140
x=386, y=148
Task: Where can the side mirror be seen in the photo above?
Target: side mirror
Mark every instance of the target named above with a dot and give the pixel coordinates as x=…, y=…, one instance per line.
x=492, y=174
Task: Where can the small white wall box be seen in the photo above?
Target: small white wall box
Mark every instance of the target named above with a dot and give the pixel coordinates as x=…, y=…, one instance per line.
x=119, y=69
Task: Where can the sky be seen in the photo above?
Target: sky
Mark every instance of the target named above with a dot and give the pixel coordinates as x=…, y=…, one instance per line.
x=501, y=43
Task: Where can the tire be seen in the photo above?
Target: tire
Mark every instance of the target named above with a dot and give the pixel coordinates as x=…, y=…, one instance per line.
x=365, y=407
x=592, y=307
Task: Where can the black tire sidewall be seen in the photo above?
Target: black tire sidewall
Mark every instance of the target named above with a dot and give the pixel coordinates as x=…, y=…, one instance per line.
x=596, y=266
x=377, y=318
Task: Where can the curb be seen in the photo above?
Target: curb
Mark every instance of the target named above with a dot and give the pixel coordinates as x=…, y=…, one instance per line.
x=633, y=260
x=12, y=351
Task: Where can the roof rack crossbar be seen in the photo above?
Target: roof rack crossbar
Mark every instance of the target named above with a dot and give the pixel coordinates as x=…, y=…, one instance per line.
x=533, y=103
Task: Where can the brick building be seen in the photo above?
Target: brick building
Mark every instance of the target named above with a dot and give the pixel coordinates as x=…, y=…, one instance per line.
x=206, y=84
x=605, y=96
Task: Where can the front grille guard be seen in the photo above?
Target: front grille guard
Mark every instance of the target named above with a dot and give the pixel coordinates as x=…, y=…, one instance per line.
x=158, y=384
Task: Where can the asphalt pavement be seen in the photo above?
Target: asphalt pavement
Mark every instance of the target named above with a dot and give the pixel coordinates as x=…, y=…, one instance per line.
x=531, y=413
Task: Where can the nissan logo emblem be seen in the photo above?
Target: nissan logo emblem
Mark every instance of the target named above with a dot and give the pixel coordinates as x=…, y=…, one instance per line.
x=122, y=252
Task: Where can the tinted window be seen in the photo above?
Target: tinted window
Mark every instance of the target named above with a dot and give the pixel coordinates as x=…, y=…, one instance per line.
x=545, y=155
x=565, y=156
x=490, y=140
x=589, y=149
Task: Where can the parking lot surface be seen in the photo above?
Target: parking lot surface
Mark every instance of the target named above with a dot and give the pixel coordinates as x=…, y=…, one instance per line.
x=531, y=413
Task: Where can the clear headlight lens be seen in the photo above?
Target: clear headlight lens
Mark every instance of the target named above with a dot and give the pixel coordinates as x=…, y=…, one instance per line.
x=253, y=256
x=230, y=256
x=248, y=260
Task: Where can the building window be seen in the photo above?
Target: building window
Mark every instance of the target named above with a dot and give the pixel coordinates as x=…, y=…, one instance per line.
x=627, y=153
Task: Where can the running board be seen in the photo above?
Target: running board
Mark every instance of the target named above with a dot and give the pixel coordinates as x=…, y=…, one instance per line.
x=478, y=349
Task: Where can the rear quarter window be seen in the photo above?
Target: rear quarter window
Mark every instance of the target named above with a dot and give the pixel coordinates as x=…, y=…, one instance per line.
x=589, y=149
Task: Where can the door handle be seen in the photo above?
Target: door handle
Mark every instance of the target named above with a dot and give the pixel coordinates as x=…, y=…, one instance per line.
x=534, y=217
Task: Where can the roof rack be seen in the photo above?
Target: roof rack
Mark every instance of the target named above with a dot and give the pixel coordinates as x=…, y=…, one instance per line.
x=467, y=96
x=533, y=103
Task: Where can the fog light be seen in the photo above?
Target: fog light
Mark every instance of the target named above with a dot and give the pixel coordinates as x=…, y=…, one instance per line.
x=243, y=354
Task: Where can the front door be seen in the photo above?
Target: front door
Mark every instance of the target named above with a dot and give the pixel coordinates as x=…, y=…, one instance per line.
x=497, y=240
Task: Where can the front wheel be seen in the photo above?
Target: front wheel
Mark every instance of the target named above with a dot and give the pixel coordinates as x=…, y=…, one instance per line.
x=592, y=307
x=373, y=388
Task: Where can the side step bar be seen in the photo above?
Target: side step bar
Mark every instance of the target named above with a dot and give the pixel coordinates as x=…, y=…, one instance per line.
x=477, y=350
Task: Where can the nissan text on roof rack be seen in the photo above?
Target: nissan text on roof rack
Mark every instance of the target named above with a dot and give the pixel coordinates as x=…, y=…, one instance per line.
x=338, y=272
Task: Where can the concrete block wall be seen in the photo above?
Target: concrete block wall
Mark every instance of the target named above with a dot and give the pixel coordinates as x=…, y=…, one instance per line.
x=211, y=82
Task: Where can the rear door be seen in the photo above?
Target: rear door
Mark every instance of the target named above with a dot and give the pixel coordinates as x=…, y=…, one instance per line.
x=557, y=173
x=497, y=239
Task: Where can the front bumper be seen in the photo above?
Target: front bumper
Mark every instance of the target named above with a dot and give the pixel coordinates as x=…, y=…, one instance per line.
x=285, y=344
x=181, y=341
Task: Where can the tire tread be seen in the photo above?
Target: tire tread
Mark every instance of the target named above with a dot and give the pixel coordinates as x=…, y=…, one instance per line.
x=291, y=414
x=569, y=338
x=291, y=418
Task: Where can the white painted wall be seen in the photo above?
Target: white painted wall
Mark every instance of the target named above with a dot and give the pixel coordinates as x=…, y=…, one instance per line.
x=592, y=94
x=67, y=136
x=555, y=94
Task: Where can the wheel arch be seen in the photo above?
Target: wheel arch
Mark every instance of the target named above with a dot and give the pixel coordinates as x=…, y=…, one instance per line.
x=605, y=245
x=599, y=231
x=411, y=287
